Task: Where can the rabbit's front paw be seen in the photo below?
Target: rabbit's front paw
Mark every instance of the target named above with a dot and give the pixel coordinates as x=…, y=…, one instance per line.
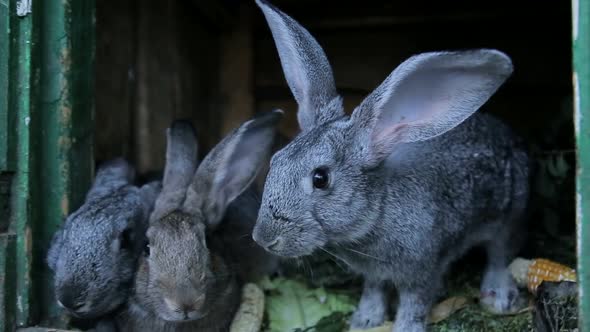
x=366, y=317
x=499, y=293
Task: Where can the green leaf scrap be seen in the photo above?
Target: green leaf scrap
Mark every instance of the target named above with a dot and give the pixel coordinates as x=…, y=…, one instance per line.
x=292, y=305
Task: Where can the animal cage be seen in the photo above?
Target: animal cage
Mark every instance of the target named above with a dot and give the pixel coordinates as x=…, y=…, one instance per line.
x=87, y=81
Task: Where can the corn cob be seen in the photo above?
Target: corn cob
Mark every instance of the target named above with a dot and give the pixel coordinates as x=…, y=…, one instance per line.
x=531, y=273
x=248, y=318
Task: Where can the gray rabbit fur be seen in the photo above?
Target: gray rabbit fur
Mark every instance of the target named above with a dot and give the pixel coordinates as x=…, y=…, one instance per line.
x=94, y=254
x=406, y=184
x=186, y=281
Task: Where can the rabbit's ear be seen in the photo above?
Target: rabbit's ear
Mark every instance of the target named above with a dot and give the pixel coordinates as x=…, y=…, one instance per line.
x=306, y=69
x=231, y=167
x=426, y=96
x=181, y=162
x=111, y=175
x=149, y=193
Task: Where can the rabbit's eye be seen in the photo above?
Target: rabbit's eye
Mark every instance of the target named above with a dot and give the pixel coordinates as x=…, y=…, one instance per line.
x=320, y=178
x=146, y=250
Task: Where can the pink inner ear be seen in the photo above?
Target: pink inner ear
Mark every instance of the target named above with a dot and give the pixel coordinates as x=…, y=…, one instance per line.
x=393, y=133
x=397, y=125
x=383, y=140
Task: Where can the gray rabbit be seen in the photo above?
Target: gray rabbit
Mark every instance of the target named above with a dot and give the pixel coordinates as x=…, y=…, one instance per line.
x=94, y=254
x=186, y=280
x=393, y=190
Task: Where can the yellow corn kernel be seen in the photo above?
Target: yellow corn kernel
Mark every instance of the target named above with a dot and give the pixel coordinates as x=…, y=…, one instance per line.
x=531, y=273
x=545, y=270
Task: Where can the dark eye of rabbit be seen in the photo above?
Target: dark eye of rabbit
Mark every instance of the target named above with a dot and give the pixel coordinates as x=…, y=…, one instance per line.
x=320, y=178
x=146, y=250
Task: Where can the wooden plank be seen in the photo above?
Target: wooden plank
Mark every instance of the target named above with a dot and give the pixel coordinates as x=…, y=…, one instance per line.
x=236, y=78
x=581, y=80
x=7, y=282
x=116, y=72
x=220, y=15
x=177, y=77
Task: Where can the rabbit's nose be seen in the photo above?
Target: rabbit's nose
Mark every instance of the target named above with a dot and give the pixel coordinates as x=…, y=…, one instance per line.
x=187, y=310
x=180, y=306
x=67, y=300
x=265, y=240
x=274, y=245
x=190, y=314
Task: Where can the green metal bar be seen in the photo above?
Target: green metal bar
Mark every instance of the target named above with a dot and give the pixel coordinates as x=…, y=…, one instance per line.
x=20, y=101
x=48, y=65
x=7, y=291
x=581, y=78
x=66, y=112
x=4, y=53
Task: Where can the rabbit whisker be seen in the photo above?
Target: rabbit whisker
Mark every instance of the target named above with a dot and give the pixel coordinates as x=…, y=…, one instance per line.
x=344, y=268
x=365, y=254
x=307, y=269
x=310, y=268
x=340, y=258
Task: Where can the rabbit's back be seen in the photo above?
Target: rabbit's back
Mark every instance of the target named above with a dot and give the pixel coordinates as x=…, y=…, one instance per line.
x=477, y=171
x=443, y=196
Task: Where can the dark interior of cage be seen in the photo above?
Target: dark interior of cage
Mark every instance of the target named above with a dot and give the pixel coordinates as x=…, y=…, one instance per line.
x=215, y=63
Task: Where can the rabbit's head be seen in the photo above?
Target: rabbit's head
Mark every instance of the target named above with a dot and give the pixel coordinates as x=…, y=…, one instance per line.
x=184, y=275
x=179, y=267
x=316, y=191
x=95, y=253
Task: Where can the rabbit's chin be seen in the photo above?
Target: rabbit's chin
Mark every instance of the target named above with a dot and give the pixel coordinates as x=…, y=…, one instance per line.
x=93, y=311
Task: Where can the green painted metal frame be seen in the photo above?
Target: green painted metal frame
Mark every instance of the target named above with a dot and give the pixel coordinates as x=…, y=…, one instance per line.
x=20, y=107
x=67, y=110
x=7, y=294
x=581, y=79
x=5, y=121
x=47, y=65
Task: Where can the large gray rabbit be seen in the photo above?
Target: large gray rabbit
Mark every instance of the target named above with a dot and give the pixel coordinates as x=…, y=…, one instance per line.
x=95, y=253
x=391, y=190
x=186, y=281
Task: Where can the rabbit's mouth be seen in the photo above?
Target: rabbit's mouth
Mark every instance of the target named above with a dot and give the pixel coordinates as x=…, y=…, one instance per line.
x=185, y=320
x=289, y=237
x=82, y=310
x=179, y=316
x=289, y=245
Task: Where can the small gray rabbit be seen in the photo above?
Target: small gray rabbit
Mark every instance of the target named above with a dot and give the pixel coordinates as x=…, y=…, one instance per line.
x=406, y=184
x=94, y=254
x=186, y=282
